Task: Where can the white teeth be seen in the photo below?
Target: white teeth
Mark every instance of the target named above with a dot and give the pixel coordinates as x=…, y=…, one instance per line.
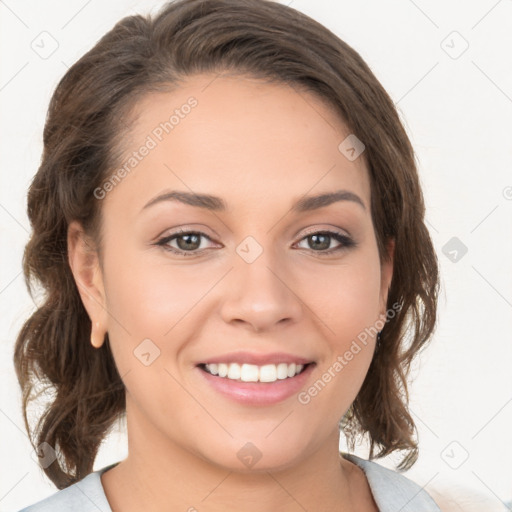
x=234, y=371
x=249, y=373
x=268, y=373
x=223, y=370
x=282, y=371
x=291, y=369
x=254, y=373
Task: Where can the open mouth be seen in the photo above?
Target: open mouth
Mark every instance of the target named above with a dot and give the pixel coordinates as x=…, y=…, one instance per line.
x=267, y=373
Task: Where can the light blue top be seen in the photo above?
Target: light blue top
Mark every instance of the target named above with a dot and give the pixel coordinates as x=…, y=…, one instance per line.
x=391, y=491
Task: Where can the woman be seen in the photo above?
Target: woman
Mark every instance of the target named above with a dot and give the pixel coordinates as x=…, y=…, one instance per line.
x=229, y=226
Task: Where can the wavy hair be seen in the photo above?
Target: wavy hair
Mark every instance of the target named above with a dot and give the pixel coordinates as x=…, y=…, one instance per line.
x=87, y=121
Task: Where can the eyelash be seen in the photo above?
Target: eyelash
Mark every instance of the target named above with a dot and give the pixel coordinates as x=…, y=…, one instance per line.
x=345, y=241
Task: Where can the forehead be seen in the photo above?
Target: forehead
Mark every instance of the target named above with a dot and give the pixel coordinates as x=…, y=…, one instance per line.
x=237, y=137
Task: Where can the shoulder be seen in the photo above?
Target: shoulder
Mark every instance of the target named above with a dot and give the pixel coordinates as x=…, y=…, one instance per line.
x=393, y=491
x=87, y=495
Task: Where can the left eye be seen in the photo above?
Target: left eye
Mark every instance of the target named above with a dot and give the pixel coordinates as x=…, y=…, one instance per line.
x=189, y=242
x=322, y=240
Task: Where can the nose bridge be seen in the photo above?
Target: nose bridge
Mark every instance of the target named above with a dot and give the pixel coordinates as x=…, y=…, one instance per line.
x=259, y=293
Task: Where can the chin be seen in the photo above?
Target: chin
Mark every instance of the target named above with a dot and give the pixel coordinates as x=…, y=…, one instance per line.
x=256, y=456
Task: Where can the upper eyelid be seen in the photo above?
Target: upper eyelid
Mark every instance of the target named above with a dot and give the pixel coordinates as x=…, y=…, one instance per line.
x=311, y=231
x=308, y=230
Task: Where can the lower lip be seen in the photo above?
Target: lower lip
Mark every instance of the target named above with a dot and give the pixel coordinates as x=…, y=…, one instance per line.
x=258, y=393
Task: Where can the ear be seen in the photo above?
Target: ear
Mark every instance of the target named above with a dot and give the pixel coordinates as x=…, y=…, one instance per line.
x=386, y=276
x=84, y=262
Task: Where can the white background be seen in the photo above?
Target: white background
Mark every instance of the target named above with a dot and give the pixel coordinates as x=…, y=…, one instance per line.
x=457, y=112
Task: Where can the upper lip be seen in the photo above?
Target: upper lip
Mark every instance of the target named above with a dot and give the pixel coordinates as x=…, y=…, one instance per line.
x=257, y=359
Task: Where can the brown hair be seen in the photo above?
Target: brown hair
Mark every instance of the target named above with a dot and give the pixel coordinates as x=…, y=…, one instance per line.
x=87, y=121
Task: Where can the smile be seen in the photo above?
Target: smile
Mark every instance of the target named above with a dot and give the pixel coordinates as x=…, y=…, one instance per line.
x=252, y=372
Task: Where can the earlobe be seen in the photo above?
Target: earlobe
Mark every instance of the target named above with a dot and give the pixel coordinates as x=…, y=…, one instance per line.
x=84, y=263
x=97, y=335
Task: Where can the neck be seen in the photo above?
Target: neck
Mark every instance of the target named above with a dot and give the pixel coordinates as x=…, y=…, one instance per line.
x=159, y=475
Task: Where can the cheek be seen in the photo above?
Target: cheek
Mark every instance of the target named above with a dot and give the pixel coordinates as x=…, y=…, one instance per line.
x=155, y=302
x=348, y=306
x=349, y=310
x=346, y=298
x=150, y=298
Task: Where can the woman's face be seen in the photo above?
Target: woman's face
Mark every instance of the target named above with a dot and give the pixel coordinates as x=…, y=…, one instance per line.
x=252, y=285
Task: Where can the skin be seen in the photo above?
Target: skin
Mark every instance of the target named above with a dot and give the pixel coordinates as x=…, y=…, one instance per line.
x=260, y=147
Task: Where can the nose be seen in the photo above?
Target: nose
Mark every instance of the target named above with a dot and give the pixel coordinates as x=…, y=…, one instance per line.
x=260, y=295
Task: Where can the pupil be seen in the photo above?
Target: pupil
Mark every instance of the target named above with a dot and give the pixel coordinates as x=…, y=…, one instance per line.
x=325, y=244
x=189, y=239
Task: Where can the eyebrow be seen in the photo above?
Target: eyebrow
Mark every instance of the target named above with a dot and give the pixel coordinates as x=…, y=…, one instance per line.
x=214, y=203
